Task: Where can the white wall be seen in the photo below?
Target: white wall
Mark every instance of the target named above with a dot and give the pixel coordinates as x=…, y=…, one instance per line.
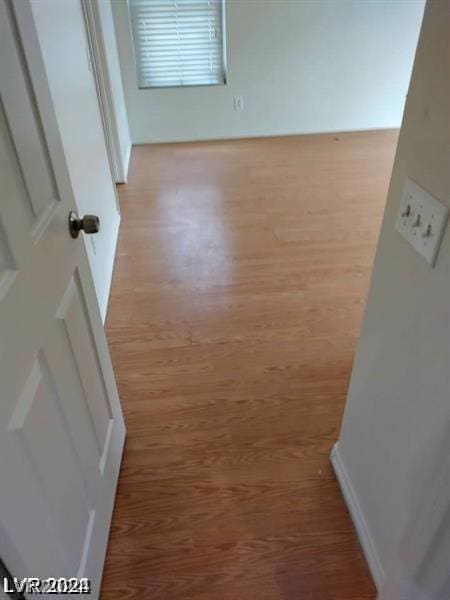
x=301, y=65
x=120, y=129
x=62, y=36
x=395, y=439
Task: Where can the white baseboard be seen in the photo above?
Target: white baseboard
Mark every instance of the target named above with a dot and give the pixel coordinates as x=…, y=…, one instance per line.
x=359, y=522
x=144, y=139
x=126, y=164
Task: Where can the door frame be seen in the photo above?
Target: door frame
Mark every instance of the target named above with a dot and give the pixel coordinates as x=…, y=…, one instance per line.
x=103, y=84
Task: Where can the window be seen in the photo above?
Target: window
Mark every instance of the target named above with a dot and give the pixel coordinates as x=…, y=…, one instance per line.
x=178, y=42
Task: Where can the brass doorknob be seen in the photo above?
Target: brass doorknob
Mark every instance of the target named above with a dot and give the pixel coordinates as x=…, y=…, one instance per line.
x=89, y=224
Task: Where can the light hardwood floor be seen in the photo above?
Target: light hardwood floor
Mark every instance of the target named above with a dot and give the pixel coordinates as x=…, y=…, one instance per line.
x=238, y=293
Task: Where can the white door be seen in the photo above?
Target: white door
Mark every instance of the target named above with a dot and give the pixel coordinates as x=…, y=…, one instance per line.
x=61, y=426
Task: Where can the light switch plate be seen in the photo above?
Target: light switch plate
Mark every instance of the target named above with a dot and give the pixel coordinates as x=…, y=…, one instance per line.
x=421, y=220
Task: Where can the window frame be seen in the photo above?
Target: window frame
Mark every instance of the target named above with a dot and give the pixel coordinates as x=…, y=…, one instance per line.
x=190, y=85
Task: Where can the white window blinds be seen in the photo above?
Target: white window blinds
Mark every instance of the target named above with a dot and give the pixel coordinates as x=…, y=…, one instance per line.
x=178, y=42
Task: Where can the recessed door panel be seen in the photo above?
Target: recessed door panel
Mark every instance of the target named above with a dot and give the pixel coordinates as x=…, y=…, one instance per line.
x=41, y=429
x=29, y=139
x=7, y=266
x=73, y=313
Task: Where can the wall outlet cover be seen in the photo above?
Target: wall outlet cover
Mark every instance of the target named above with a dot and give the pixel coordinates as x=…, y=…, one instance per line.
x=238, y=102
x=421, y=220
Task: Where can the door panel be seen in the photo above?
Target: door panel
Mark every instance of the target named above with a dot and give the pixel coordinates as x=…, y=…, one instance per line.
x=29, y=140
x=7, y=265
x=61, y=425
x=72, y=313
x=38, y=413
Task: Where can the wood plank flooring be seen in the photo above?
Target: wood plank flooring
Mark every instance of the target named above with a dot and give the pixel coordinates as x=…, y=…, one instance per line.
x=238, y=293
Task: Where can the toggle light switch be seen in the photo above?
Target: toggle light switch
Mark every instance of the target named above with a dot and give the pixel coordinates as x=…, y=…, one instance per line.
x=421, y=220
